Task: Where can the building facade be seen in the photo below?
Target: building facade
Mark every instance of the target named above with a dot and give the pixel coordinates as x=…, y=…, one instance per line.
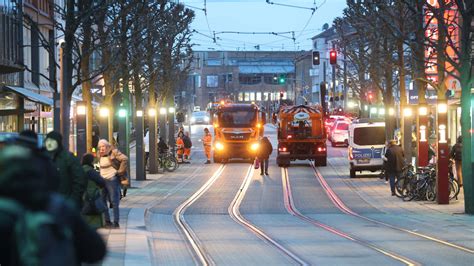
x=262, y=77
x=25, y=88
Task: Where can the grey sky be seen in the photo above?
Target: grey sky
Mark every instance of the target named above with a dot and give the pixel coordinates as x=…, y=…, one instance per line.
x=258, y=16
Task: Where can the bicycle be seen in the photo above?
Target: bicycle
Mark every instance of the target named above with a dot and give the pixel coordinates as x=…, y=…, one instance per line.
x=167, y=161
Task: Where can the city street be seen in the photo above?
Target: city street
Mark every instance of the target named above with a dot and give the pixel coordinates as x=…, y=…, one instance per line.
x=228, y=214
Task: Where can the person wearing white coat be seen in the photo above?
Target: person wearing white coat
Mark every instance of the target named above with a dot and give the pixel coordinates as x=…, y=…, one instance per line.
x=146, y=144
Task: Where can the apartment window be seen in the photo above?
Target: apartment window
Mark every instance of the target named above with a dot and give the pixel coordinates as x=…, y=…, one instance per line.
x=212, y=81
x=35, y=56
x=198, y=81
x=249, y=79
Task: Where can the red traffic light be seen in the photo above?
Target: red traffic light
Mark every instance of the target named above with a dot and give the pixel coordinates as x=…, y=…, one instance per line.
x=333, y=57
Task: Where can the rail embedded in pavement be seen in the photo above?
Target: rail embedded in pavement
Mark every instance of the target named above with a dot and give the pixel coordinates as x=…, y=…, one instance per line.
x=344, y=208
x=237, y=216
x=291, y=208
x=200, y=254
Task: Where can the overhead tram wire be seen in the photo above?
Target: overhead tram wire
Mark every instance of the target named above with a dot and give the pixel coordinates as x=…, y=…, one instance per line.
x=293, y=6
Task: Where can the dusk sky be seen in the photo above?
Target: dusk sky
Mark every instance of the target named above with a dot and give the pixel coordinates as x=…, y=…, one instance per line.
x=260, y=17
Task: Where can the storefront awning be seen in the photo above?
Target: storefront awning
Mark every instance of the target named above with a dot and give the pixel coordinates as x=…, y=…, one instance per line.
x=31, y=96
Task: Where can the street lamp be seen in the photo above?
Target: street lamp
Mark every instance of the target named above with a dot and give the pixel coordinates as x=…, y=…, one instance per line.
x=104, y=122
x=140, y=158
x=443, y=154
x=152, y=112
x=391, y=111
x=163, y=111
x=423, y=145
x=407, y=112
x=81, y=120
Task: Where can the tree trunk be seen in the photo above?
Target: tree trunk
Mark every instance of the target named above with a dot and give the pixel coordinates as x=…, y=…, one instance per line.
x=85, y=71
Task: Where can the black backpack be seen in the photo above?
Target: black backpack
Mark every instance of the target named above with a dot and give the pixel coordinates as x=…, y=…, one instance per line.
x=41, y=237
x=187, y=142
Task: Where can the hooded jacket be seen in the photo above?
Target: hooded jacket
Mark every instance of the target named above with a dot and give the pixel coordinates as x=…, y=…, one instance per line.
x=72, y=179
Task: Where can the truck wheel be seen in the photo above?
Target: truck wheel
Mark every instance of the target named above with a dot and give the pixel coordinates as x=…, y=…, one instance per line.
x=352, y=173
x=320, y=161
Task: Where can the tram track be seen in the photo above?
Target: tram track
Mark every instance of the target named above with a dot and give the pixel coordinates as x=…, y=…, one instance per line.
x=200, y=255
x=345, y=209
x=235, y=214
x=293, y=210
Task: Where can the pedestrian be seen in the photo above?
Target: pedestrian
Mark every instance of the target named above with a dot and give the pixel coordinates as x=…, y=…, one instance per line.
x=263, y=154
x=113, y=167
x=384, y=174
x=95, y=183
x=37, y=225
x=180, y=146
x=72, y=180
x=395, y=163
x=187, y=146
x=456, y=155
x=207, y=142
x=146, y=144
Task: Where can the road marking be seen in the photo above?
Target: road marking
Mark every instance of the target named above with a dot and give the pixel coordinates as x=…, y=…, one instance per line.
x=343, y=207
x=234, y=212
x=200, y=255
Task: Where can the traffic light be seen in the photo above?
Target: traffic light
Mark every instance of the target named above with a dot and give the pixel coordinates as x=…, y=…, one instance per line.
x=370, y=97
x=333, y=57
x=316, y=60
x=282, y=79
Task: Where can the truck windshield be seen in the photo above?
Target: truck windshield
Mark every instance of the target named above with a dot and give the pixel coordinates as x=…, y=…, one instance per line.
x=238, y=118
x=369, y=136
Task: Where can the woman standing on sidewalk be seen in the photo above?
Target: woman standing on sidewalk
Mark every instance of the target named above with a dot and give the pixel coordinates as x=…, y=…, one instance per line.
x=113, y=165
x=95, y=183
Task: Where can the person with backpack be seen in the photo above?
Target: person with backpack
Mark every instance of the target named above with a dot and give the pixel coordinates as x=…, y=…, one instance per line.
x=113, y=167
x=72, y=181
x=456, y=155
x=37, y=225
x=95, y=183
x=187, y=146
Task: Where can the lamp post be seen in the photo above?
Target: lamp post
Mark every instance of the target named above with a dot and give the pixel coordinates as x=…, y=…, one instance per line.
x=140, y=156
x=442, y=181
x=104, y=122
x=171, y=140
x=81, y=120
x=152, y=157
x=162, y=122
x=407, y=138
x=422, y=133
x=123, y=137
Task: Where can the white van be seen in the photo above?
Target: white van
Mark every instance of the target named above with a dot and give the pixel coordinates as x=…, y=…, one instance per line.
x=366, y=142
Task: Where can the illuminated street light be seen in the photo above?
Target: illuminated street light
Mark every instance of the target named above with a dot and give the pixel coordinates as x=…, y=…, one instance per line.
x=139, y=113
x=162, y=111
x=442, y=108
x=407, y=112
x=382, y=111
x=423, y=110
x=122, y=113
x=104, y=112
x=171, y=110
x=391, y=111
x=152, y=112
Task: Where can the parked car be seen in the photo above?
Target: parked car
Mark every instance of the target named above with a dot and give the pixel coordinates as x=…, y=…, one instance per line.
x=340, y=133
x=330, y=121
x=201, y=117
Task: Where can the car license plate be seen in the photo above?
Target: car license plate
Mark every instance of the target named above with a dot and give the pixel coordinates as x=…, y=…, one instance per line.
x=361, y=161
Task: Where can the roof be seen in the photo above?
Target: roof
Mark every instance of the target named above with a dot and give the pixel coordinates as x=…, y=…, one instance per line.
x=32, y=96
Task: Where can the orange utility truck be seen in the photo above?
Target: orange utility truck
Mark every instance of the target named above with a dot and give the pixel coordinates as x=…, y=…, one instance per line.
x=237, y=129
x=301, y=135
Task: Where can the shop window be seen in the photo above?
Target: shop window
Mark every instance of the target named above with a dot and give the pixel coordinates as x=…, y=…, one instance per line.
x=241, y=96
x=247, y=97
x=259, y=96
x=252, y=96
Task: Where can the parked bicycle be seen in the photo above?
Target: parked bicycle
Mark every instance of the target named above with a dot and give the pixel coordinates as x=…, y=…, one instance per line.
x=167, y=161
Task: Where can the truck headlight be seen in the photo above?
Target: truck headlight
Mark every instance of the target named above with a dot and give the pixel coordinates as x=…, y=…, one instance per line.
x=254, y=146
x=219, y=146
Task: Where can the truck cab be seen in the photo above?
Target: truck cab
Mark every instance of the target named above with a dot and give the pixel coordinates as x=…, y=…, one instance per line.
x=237, y=130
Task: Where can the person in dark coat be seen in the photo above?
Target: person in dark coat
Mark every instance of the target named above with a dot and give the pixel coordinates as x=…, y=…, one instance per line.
x=95, y=183
x=395, y=162
x=263, y=154
x=456, y=155
x=72, y=183
x=23, y=182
